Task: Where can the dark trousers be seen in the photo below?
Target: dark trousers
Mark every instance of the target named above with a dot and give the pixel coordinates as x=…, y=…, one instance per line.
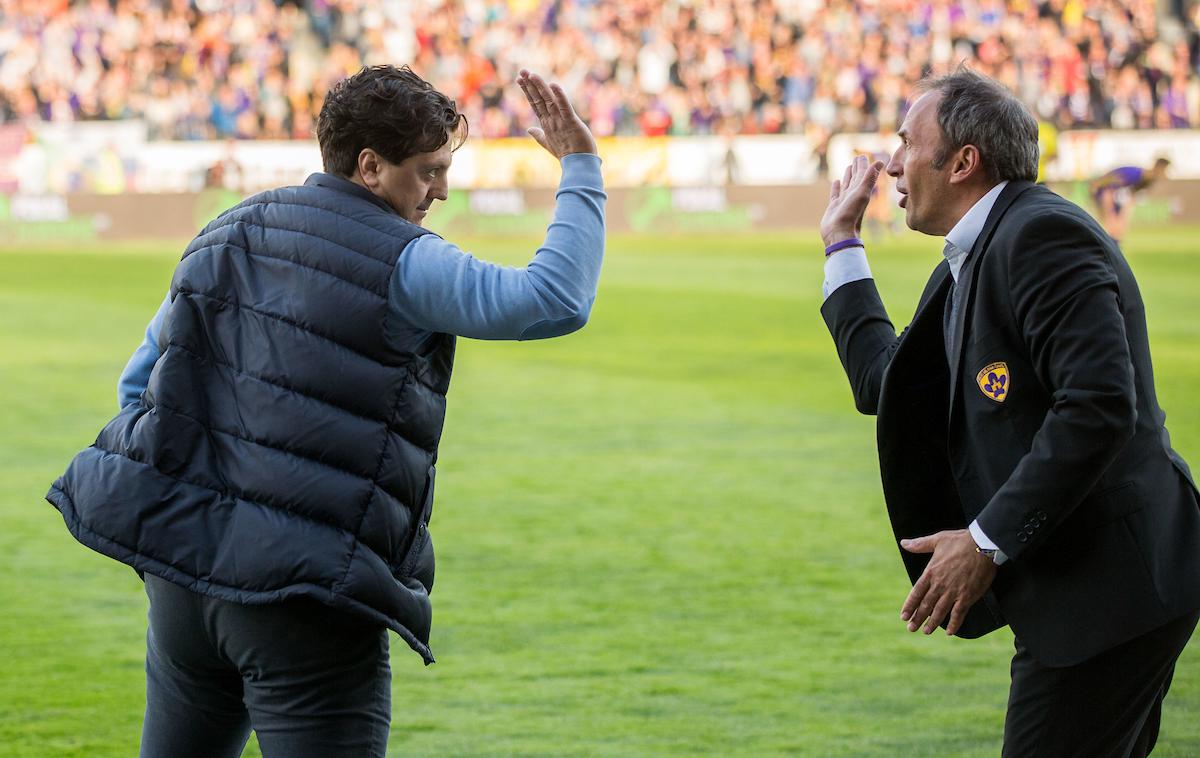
x=1107, y=706
x=309, y=680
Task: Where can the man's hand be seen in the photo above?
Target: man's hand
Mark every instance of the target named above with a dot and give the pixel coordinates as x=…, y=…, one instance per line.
x=848, y=198
x=561, y=131
x=956, y=577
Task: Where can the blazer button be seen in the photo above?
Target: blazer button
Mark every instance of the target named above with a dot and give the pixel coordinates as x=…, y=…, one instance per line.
x=1023, y=537
x=1041, y=515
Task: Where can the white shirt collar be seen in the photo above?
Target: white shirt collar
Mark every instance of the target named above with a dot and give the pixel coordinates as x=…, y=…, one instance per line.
x=961, y=238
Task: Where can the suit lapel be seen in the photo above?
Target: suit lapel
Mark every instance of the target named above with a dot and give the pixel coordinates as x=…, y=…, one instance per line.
x=911, y=363
x=966, y=279
x=934, y=297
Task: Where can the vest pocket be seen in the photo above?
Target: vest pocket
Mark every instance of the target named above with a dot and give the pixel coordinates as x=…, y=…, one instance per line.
x=421, y=533
x=414, y=550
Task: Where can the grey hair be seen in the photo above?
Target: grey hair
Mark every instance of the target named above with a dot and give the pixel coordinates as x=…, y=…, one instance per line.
x=976, y=110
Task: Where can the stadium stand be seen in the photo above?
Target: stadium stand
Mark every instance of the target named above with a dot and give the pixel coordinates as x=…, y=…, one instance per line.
x=258, y=69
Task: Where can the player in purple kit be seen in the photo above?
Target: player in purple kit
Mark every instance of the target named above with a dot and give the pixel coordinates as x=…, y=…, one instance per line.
x=1113, y=193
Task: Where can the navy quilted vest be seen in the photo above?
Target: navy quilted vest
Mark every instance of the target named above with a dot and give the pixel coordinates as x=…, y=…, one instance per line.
x=284, y=446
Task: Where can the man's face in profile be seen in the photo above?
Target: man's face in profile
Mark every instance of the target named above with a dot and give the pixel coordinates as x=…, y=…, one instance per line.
x=925, y=191
x=412, y=185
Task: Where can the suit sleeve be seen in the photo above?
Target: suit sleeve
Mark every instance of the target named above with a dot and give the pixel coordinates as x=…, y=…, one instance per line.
x=1067, y=306
x=865, y=338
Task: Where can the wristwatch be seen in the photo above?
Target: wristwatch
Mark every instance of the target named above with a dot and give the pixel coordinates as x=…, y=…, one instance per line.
x=993, y=553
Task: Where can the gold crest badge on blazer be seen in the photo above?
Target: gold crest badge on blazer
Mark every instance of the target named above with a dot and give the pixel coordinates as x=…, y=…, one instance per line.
x=993, y=381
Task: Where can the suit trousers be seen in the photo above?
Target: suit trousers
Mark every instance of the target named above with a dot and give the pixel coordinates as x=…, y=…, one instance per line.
x=1109, y=706
x=308, y=679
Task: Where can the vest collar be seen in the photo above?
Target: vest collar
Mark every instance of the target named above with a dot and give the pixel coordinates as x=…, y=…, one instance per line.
x=333, y=182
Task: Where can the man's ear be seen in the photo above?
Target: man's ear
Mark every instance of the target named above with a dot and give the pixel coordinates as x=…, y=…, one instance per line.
x=965, y=165
x=369, y=164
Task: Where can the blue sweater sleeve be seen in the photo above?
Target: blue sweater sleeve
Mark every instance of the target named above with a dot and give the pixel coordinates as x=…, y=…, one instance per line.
x=136, y=375
x=439, y=288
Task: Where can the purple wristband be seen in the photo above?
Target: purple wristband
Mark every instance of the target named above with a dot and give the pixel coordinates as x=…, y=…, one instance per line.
x=852, y=242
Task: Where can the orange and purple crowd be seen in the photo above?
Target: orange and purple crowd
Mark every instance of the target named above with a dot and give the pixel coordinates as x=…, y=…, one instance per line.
x=258, y=69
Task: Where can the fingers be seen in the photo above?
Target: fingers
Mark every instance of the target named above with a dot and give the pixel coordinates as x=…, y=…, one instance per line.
x=922, y=612
x=864, y=172
x=918, y=545
x=524, y=84
x=944, y=604
x=957, y=616
x=955, y=578
x=536, y=92
x=560, y=130
x=931, y=599
x=861, y=172
x=871, y=174
x=559, y=98
x=856, y=182
x=857, y=171
x=914, y=598
x=539, y=136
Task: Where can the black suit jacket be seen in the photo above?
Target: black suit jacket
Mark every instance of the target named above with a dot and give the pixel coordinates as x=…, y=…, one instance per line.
x=1043, y=425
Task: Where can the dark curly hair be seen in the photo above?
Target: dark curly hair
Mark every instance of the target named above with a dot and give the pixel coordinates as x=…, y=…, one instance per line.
x=390, y=110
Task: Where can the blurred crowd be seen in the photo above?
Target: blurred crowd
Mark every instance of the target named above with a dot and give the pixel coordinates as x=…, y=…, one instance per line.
x=258, y=69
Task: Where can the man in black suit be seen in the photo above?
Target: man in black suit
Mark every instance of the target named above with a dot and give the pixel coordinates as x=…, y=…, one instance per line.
x=1028, y=475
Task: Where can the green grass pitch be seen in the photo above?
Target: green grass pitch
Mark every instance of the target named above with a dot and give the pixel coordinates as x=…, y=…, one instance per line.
x=661, y=535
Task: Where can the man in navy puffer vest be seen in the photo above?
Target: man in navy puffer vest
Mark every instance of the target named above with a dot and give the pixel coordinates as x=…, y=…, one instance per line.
x=271, y=470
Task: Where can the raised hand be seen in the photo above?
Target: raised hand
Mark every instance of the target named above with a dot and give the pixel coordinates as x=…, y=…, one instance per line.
x=560, y=129
x=848, y=198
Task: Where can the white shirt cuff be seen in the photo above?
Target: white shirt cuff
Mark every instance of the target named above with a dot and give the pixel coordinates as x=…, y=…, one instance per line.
x=981, y=539
x=984, y=543
x=843, y=267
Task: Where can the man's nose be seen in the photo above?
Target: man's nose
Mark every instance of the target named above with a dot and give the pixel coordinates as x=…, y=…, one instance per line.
x=440, y=190
x=895, y=165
